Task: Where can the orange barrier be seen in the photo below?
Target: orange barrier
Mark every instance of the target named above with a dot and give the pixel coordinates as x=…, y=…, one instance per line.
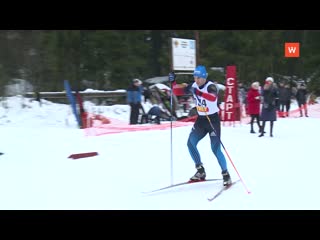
x=99, y=125
x=292, y=112
x=118, y=126
x=89, y=120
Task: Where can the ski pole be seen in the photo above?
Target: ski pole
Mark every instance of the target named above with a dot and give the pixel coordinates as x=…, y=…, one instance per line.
x=171, y=159
x=248, y=191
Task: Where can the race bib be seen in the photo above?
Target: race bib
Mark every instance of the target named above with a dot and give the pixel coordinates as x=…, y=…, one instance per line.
x=202, y=109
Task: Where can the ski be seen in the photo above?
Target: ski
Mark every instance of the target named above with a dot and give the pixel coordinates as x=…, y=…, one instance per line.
x=222, y=190
x=183, y=183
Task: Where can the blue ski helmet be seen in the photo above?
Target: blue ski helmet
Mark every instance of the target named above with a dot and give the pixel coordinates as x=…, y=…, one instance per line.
x=200, y=71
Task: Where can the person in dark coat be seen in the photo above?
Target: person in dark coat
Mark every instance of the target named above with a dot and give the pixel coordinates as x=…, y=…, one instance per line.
x=134, y=97
x=269, y=105
x=253, y=105
x=284, y=99
x=301, y=97
x=156, y=114
x=38, y=97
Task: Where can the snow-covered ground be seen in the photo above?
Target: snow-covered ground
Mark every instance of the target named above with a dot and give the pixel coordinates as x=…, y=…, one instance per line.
x=36, y=173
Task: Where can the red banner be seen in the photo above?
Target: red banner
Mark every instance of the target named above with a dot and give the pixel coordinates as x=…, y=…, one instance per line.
x=231, y=110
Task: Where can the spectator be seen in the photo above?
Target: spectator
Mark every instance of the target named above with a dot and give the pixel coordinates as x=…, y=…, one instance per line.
x=253, y=101
x=269, y=105
x=134, y=96
x=301, y=97
x=38, y=97
x=284, y=99
x=155, y=114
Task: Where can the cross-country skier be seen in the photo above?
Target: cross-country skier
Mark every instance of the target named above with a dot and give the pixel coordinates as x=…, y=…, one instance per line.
x=205, y=93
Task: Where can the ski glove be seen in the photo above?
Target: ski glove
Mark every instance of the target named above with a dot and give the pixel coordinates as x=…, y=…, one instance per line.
x=172, y=77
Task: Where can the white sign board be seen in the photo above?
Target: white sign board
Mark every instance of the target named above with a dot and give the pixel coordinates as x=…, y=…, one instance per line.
x=183, y=54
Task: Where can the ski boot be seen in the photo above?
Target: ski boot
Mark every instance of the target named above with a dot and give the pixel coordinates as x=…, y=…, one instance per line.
x=226, y=178
x=200, y=175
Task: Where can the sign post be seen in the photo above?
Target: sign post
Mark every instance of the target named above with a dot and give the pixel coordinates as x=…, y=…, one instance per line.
x=231, y=111
x=183, y=54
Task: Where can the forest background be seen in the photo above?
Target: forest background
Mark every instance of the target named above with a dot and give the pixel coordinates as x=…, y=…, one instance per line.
x=110, y=59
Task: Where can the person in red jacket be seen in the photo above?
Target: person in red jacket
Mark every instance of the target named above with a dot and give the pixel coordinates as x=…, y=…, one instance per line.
x=253, y=102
